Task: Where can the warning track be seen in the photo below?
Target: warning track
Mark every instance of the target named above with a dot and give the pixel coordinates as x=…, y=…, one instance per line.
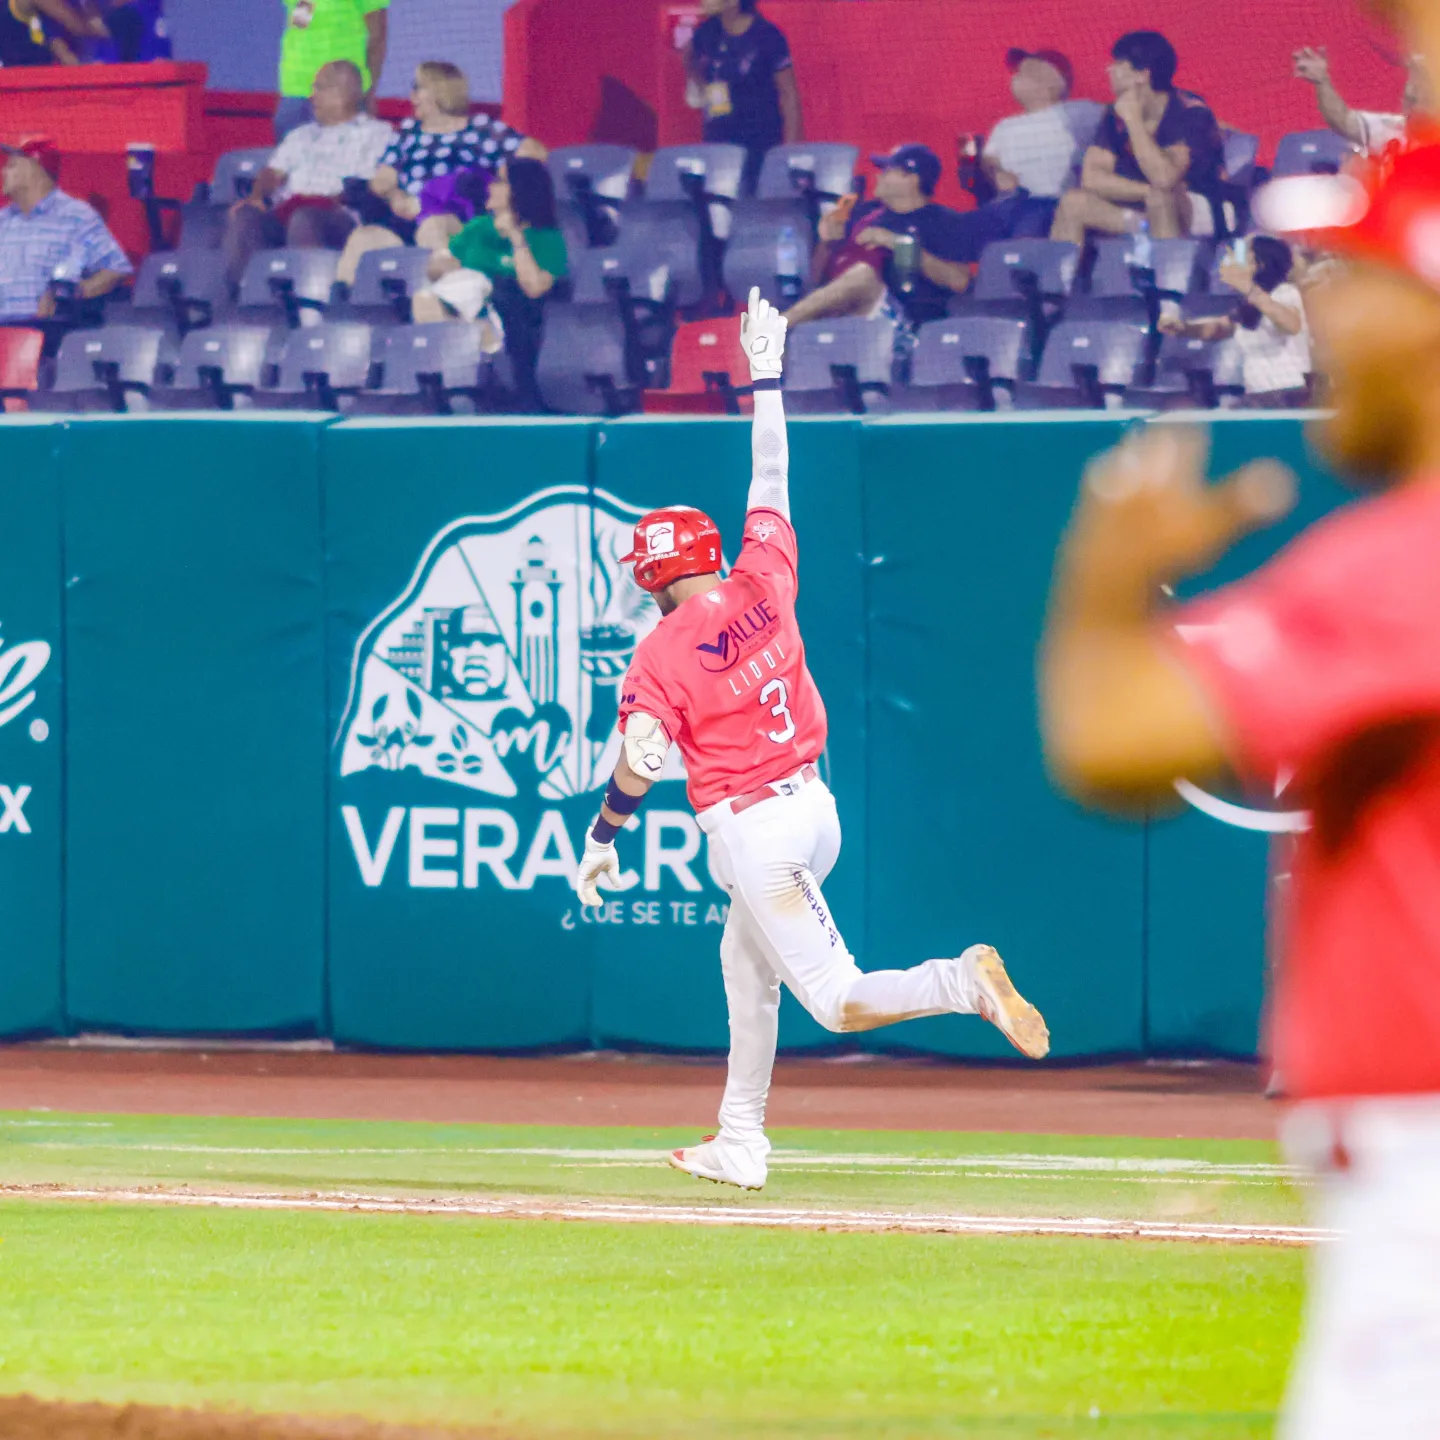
x=525, y=1207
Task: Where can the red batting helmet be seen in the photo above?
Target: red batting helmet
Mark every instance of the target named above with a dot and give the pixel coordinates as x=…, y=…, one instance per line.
x=671, y=544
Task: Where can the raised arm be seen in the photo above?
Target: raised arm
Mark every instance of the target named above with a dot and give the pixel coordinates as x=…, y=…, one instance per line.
x=762, y=336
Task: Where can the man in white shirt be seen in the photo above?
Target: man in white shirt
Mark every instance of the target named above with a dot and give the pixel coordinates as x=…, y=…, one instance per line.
x=1371, y=130
x=1028, y=156
x=306, y=174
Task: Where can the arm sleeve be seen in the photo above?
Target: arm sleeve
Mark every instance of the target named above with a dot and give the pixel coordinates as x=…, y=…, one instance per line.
x=770, y=456
x=642, y=693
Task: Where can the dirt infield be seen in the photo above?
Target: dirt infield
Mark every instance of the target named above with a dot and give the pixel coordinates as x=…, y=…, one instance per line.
x=1210, y=1101
x=24, y=1418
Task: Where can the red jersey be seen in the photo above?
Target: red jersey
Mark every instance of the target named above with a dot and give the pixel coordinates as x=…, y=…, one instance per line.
x=1326, y=663
x=725, y=673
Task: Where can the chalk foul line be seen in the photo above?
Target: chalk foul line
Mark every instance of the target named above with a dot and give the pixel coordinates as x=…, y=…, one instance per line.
x=751, y=1217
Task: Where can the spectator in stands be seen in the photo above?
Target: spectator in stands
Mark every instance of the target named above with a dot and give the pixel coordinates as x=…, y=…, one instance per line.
x=418, y=174
x=741, y=75
x=501, y=267
x=855, y=270
x=1371, y=130
x=1028, y=157
x=1155, y=152
x=137, y=29
x=306, y=174
x=1270, y=328
x=318, y=32
x=26, y=40
x=43, y=230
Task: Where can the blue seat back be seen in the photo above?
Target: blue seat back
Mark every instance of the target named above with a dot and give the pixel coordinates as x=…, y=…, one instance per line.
x=448, y=349
x=1180, y=266
x=721, y=165
x=340, y=350
x=400, y=262
x=201, y=274
x=237, y=351
x=942, y=347
x=1053, y=261
x=234, y=165
x=811, y=349
x=1114, y=347
x=134, y=348
x=311, y=272
x=1308, y=152
x=788, y=169
x=606, y=168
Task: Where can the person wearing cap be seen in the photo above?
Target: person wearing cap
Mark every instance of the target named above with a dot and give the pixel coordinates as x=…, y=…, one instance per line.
x=853, y=269
x=43, y=230
x=741, y=74
x=1320, y=671
x=1155, y=150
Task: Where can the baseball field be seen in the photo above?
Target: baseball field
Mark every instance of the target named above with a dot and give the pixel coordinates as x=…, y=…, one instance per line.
x=302, y=1244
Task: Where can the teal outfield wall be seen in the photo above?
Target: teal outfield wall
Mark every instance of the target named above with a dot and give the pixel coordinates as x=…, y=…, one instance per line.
x=302, y=721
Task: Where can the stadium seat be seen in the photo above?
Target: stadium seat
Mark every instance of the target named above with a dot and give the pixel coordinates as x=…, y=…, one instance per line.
x=426, y=370
x=1085, y=362
x=20, y=350
x=801, y=169
x=659, y=253
x=216, y=365
x=289, y=285
x=1311, y=152
x=1023, y=279
x=752, y=255
x=320, y=365
x=385, y=283
x=958, y=363
x=1190, y=374
x=591, y=182
x=103, y=370
x=202, y=220
x=182, y=289
x=685, y=172
x=707, y=367
x=1241, y=152
x=587, y=365
x=1119, y=290
x=839, y=366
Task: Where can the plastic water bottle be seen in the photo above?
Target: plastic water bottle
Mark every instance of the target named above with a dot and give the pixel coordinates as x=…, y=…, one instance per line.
x=1142, y=253
x=787, y=264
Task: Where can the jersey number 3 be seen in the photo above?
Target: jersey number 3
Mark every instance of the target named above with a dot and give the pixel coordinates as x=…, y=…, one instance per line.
x=780, y=710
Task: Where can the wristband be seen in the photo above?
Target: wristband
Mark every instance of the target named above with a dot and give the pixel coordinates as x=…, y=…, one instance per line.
x=604, y=830
x=769, y=382
x=619, y=802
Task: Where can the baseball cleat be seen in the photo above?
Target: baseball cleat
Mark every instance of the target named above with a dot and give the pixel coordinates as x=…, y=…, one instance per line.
x=712, y=1159
x=1004, y=1007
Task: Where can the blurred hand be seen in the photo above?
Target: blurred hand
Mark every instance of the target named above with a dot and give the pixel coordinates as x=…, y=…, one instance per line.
x=442, y=262
x=404, y=204
x=1170, y=323
x=531, y=149
x=831, y=229
x=1239, y=277
x=1128, y=110
x=878, y=236
x=251, y=202
x=1312, y=64
x=506, y=225
x=1147, y=511
x=45, y=306
x=97, y=27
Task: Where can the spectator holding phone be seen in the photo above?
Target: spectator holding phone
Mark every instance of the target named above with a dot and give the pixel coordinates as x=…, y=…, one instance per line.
x=1270, y=328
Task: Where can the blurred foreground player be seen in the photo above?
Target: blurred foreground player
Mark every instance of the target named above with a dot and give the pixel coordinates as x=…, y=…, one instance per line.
x=723, y=676
x=1325, y=663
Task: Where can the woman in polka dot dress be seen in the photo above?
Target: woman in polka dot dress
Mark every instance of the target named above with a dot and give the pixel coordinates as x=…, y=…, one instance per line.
x=416, y=178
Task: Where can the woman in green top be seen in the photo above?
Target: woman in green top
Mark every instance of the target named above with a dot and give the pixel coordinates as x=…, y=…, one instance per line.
x=502, y=265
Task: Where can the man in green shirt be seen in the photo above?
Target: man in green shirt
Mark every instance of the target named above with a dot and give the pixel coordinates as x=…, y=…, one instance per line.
x=317, y=32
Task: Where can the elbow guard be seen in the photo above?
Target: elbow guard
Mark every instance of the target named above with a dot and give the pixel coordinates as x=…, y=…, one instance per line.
x=645, y=745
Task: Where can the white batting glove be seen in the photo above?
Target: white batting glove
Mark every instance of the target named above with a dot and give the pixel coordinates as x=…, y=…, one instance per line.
x=762, y=337
x=600, y=862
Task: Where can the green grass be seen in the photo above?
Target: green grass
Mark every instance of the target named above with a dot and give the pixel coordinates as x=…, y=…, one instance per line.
x=969, y=1173
x=644, y=1330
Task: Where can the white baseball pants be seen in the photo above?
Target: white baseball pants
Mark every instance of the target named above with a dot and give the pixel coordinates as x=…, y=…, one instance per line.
x=771, y=859
x=1369, y=1361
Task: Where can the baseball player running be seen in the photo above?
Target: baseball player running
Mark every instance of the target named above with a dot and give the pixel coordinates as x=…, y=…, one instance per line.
x=723, y=676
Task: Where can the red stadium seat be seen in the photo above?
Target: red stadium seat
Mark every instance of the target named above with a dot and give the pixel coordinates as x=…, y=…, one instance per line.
x=19, y=365
x=702, y=346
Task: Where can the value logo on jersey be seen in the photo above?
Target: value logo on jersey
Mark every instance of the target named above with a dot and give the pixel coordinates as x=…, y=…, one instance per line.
x=498, y=669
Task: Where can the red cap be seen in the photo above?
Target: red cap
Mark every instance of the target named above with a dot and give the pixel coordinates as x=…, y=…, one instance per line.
x=1387, y=212
x=1016, y=57
x=39, y=148
x=671, y=544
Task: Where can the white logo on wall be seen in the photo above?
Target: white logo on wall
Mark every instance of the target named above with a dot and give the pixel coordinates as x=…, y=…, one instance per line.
x=20, y=667
x=499, y=668
x=497, y=672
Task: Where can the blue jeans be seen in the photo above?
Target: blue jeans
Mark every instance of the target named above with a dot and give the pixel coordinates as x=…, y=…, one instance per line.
x=292, y=111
